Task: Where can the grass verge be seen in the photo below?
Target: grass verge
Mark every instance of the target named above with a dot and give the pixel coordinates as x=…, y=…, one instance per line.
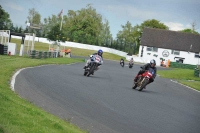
x=20, y=116
x=184, y=76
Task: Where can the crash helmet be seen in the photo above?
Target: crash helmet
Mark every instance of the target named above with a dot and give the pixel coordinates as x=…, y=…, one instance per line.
x=100, y=52
x=153, y=63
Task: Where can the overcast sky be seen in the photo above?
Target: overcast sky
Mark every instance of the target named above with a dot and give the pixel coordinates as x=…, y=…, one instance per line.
x=176, y=14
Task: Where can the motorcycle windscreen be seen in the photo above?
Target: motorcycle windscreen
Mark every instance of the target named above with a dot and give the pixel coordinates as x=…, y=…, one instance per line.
x=151, y=71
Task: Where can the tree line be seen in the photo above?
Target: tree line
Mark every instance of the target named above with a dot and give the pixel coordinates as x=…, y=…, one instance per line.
x=84, y=26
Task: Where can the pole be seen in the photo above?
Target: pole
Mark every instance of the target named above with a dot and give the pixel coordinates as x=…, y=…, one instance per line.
x=198, y=60
x=61, y=21
x=33, y=41
x=28, y=43
x=8, y=31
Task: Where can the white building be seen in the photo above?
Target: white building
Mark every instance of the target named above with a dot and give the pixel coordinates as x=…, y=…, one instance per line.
x=169, y=45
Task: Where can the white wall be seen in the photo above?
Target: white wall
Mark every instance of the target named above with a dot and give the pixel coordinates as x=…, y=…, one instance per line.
x=77, y=45
x=189, y=56
x=11, y=48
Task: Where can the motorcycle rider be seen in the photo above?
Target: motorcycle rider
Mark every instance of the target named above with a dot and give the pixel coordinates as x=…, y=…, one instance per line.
x=100, y=53
x=131, y=61
x=122, y=61
x=152, y=65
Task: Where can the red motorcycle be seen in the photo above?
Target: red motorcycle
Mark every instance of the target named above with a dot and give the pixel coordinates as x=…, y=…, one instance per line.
x=143, y=79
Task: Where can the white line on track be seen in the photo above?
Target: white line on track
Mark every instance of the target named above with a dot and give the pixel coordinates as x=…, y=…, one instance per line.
x=184, y=85
x=12, y=83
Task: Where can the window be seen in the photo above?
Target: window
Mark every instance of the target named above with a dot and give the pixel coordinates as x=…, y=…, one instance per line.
x=197, y=55
x=149, y=48
x=153, y=49
x=175, y=52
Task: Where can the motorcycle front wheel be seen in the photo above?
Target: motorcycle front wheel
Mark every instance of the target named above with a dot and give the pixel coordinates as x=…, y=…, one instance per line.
x=134, y=86
x=92, y=68
x=144, y=83
x=85, y=73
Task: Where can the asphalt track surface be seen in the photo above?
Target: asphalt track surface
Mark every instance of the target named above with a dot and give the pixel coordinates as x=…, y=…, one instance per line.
x=106, y=102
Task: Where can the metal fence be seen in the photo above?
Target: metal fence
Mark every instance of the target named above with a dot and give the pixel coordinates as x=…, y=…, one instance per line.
x=180, y=65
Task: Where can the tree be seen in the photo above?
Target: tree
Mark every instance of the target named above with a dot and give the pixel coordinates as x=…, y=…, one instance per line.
x=126, y=36
x=26, y=30
x=5, y=22
x=194, y=27
x=83, y=26
x=129, y=37
x=153, y=23
x=16, y=29
x=189, y=31
x=12, y=28
x=34, y=19
x=55, y=34
x=48, y=24
x=193, y=30
x=20, y=30
x=105, y=36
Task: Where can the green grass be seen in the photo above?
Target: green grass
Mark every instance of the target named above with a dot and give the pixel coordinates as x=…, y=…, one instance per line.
x=75, y=51
x=193, y=84
x=20, y=116
x=184, y=76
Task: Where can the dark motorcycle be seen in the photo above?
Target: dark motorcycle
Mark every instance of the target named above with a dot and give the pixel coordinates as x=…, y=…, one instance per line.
x=130, y=65
x=143, y=79
x=96, y=60
x=122, y=63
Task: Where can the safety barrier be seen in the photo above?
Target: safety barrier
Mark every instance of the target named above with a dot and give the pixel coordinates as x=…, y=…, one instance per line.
x=3, y=49
x=180, y=65
x=196, y=72
x=34, y=54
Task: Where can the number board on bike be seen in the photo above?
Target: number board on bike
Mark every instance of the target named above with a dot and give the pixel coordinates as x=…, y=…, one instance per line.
x=98, y=59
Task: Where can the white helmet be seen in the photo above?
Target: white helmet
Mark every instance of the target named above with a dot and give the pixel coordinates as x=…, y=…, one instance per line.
x=153, y=62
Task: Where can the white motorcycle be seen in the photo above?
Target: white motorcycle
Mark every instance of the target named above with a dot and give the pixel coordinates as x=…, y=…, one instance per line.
x=95, y=61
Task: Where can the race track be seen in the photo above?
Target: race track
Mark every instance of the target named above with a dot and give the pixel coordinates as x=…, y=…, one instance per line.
x=106, y=102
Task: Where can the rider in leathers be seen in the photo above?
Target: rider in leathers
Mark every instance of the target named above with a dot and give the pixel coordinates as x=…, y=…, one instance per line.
x=152, y=65
x=131, y=61
x=100, y=53
x=122, y=62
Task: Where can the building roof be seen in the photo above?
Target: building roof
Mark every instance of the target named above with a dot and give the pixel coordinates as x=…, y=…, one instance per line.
x=170, y=40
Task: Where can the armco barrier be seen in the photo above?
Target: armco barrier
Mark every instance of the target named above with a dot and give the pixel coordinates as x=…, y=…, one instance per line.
x=5, y=49
x=196, y=72
x=33, y=54
x=1, y=49
x=45, y=54
x=180, y=65
x=42, y=54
